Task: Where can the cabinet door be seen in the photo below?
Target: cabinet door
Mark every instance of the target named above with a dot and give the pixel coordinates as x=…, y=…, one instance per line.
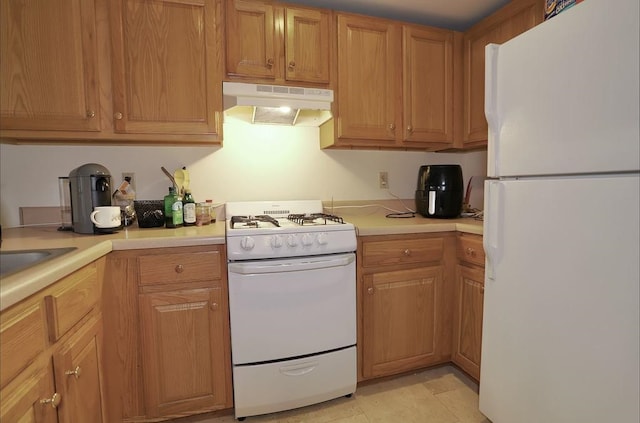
x=250, y=39
x=467, y=340
x=79, y=375
x=48, y=65
x=307, y=41
x=369, y=80
x=428, y=86
x=183, y=343
x=24, y=404
x=514, y=19
x=402, y=320
x=165, y=67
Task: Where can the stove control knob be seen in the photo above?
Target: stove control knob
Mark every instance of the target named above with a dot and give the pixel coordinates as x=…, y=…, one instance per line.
x=307, y=240
x=276, y=241
x=292, y=241
x=322, y=239
x=247, y=243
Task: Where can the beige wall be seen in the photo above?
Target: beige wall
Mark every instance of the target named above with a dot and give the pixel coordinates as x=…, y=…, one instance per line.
x=256, y=163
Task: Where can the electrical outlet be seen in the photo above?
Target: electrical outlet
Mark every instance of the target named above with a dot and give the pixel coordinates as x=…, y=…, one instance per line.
x=132, y=175
x=383, y=180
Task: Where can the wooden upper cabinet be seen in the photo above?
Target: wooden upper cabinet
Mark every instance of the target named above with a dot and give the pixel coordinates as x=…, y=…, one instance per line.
x=276, y=44
x=307, y=45
x=48, y=65
x=428, y=85
x=395, y=85
x=508, y=22
x=165, y=67
x=250, y=38
x=369, y=80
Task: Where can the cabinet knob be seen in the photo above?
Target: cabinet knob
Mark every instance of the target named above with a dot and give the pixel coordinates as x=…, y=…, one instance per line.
x=269, y=63
x=407, y=252
x=482, y=289
x=292, y=65
x=179, y=268
x=214, y=306
x=471, y=252
x=117, y=115
x=392, y=126
x=370, y=291
x=54, y=400
x=410, y=129
x=91, y=114
x=76, y=372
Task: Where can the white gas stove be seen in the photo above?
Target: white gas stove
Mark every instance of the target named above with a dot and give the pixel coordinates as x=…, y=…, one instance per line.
x=263, y=229
x=292, y=305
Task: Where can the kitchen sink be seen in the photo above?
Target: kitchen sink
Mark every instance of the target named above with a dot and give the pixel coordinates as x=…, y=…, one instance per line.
x=14, y=261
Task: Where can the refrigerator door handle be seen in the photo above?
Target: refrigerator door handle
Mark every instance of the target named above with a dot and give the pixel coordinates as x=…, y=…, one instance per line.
x=492, y=233
x=491, y=107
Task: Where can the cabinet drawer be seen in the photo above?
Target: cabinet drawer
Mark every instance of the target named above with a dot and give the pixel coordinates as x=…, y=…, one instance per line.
x=404, y=251
x=470, y=249
x=179, y=267
x=71, y=300
x=22, y=338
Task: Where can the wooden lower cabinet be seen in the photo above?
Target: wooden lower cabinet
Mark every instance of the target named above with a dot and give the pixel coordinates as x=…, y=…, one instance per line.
x=468, y=319
x=183, y=356
x=55, y=379
x=24, y=404
x=468, y=307
x=167, y=331
x=405, y=290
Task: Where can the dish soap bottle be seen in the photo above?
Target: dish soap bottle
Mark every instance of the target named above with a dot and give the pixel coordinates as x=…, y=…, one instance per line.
x=189, y=209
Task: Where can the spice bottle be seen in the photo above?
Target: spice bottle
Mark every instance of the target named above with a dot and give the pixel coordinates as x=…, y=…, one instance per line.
x=203, y=216
x=212, y=211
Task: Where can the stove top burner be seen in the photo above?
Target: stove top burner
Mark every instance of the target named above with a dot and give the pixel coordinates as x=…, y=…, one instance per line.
x=314, y=218
x=252, y=221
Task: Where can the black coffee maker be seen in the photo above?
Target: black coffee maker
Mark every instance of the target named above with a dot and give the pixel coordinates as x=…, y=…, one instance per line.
x=90, y=186
x=440, y=191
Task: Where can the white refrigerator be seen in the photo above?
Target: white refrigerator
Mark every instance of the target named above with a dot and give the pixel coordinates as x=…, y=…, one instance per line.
x=562, y=225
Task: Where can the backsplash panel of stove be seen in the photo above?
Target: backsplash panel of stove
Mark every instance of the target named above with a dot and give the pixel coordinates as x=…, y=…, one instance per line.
x=256, y=163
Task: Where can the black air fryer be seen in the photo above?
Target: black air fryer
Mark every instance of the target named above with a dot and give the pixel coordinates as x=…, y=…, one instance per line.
x=440, y=191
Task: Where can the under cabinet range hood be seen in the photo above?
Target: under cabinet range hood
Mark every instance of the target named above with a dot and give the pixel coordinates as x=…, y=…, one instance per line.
x=277, y=104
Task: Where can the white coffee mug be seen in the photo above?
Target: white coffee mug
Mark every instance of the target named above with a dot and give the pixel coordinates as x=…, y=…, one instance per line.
x=106, y=216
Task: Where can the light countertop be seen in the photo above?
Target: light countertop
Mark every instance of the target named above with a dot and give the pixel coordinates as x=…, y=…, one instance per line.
x=14, y=287
x=19, y=285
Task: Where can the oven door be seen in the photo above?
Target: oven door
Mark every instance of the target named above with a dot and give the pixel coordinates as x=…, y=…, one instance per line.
x=290, y=308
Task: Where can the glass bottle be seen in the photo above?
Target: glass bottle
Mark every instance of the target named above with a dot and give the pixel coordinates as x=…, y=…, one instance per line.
x=203, y=216
x=212, y=211
x=189, y=209
x=172, y=209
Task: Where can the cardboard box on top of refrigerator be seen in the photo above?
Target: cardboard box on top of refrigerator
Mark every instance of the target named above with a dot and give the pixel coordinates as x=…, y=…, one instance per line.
x=553, y=7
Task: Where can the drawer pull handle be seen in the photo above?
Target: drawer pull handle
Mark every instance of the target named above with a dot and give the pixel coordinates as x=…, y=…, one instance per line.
x=269, y=63
x=118, y=116
x=370, y=291
x=214, y=306
x=76, y=372
x=54, y=400
x=179, y=268
x=471, y=252
x=292, y=65
x=91, y=114
x=407, y=252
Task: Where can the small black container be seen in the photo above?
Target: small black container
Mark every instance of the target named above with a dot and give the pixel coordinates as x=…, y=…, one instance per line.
x=440, y=191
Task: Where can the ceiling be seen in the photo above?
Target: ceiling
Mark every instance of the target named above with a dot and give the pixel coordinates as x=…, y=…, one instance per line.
x=450, y=14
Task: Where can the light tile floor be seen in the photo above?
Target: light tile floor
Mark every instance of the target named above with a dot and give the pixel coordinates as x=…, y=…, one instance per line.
x=440, y=395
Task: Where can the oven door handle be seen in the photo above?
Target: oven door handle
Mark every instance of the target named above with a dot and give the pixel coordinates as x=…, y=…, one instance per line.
x=292, y=266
